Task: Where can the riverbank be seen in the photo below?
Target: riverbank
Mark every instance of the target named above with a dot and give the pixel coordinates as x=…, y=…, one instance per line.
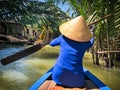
x=7, y=39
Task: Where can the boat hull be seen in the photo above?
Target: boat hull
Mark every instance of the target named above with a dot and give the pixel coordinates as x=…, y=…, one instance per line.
x=92, y=82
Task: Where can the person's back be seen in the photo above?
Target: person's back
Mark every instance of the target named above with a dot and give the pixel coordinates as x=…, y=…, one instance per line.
x=69, y=61
x=68, y=69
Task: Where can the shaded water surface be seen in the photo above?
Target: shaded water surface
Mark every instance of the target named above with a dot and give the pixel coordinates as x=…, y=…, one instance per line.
x=21, y=74
x=109, y=76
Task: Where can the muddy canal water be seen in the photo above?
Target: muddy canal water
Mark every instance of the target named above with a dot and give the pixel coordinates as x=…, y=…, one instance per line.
x=21, y=74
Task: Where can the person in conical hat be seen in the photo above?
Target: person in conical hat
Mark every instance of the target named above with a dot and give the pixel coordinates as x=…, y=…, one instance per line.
x=74, y=40
x=76, y=29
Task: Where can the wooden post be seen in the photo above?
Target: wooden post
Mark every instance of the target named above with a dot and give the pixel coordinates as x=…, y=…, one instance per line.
x=97, y=59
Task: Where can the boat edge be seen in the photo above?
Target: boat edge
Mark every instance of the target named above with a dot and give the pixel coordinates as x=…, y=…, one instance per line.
x=95, y=80
x=92, y=77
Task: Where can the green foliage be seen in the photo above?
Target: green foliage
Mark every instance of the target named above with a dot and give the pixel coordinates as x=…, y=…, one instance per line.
x=32, y=12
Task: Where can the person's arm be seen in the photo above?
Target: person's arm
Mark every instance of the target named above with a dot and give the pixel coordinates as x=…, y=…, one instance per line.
x=91, y=42
x=55, y=42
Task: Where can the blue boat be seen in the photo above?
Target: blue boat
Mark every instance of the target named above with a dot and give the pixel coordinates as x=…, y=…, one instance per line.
x=92, y=82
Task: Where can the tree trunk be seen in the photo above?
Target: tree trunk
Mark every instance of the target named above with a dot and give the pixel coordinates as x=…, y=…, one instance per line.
x=97, y=59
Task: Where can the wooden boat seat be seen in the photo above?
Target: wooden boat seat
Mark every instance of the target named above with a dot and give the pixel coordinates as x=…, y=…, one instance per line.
x=50, y=83
x=47, y=84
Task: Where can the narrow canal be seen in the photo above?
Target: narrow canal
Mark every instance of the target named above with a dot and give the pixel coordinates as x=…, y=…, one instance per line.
x=21, y=74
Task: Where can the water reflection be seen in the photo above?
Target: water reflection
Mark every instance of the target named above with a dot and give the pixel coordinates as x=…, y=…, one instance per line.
x=21, y=74
x=6, y=50
x=109, y=76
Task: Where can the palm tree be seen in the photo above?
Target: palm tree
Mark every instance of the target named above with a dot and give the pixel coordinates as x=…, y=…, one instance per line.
x=32, y=12
x=108, y=29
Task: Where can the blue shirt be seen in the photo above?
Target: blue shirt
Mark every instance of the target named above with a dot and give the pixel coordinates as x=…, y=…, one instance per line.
x=68, y=69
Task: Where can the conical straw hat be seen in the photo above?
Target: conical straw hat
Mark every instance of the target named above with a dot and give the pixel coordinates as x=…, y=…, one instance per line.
x=76, y=29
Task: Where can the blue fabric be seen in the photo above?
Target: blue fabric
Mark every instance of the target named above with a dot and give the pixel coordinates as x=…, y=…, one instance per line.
x=68, y=69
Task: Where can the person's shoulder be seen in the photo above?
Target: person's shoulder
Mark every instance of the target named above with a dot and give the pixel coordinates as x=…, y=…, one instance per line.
x=60, y=37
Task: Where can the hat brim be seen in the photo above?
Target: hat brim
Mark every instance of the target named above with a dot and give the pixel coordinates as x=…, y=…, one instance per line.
x=76, y=29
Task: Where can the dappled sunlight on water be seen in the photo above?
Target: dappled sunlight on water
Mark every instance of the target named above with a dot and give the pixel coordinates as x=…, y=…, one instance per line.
x=21, y=74
x=14, y=75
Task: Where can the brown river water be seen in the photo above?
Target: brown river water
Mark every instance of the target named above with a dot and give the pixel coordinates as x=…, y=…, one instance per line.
x=21, y=74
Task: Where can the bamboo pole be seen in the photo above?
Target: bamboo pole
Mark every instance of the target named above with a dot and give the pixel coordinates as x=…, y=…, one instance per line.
x=99, y=20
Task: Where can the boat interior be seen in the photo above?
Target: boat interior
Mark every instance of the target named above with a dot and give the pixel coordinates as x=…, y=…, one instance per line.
x=50, y=83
